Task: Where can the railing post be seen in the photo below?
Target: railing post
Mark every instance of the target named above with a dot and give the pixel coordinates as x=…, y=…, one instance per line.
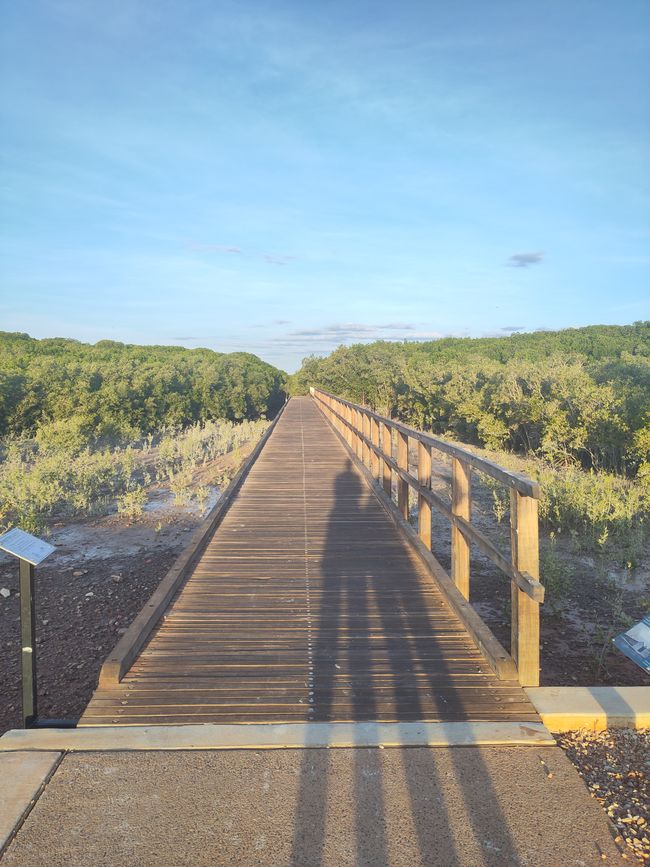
x=403, y=464
x=357, y=425
x=366, y=432
x=387, y=448
x=374, y=457
x=347, y=415
x=461, y=506
x=525, y=611
x=424, y=508
x=337, y=421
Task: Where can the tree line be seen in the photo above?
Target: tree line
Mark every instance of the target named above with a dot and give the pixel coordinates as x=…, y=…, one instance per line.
x=573, y=397
x=64, y=390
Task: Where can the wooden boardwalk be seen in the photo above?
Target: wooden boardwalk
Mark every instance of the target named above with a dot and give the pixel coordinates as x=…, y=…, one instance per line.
x=307, y=604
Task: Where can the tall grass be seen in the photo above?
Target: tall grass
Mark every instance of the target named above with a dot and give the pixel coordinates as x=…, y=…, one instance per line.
x=602, y=513
x=40, y=479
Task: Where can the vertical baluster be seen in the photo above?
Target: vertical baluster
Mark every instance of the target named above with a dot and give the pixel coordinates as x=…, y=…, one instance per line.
x=374, y=437
x=461, y=506
x=403, y=464
x=525, y=611
x=359, y=427
x=424, y=508
x=366, y=433
x=387, y=448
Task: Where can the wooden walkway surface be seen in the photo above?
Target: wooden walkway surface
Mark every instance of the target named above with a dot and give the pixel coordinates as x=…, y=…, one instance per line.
x=307, y=604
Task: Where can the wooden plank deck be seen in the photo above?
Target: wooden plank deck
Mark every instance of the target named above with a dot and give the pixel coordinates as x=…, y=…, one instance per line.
x=307, y=604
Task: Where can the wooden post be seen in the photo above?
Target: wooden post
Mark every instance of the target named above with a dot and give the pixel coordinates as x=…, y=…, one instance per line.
x=347, y=412
x=387, y=448
x=525, y=611
x=366, y=432
x=374, y=457
x=358, y=424
x=424, y=508
x=461, y=506
x=403, y=464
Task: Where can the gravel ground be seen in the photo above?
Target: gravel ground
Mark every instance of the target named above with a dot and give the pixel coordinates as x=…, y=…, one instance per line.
x=615, y=765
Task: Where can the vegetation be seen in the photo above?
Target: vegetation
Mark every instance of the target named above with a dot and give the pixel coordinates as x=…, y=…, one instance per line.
x=69, y=394
x=571, y=408
x=39, y=481
x=83, y=426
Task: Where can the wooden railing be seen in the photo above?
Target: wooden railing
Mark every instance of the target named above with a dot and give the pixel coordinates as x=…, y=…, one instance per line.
x=382, y=446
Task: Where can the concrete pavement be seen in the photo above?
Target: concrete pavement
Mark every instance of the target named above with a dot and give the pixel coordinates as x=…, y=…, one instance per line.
x=399, y=806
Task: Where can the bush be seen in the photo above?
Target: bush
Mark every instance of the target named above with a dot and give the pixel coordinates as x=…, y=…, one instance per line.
x=556, y=575
x=131, y=504
x=40, y=480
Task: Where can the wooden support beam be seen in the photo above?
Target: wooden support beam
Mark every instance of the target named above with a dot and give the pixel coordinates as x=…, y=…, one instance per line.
x=461, y=506
x=374, y=458
x=424, y=508
x=525, y=611
x=365, y=429
x=387, y=448
x=358, y=424
x=403, y=463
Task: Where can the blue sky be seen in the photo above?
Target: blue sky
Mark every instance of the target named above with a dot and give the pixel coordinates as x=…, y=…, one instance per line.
x=285, y=177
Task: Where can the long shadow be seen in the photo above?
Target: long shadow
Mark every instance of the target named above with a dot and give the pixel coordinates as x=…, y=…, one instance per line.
x=375, y=646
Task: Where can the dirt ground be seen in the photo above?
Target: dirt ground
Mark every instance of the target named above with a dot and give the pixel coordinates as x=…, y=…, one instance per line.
x=87, y=593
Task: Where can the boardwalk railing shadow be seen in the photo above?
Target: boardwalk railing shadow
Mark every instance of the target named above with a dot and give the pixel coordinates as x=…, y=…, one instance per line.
x=359, y=612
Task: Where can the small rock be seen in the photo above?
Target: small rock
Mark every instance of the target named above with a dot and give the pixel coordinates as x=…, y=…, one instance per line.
x=116, y=578
x=77, y=573
x=5, y=592
x=90, y=593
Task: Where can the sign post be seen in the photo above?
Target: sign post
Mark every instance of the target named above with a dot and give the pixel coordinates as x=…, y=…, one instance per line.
x=29, y=551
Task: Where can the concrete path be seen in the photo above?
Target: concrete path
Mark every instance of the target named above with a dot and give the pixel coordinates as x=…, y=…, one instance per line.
x=419, y=806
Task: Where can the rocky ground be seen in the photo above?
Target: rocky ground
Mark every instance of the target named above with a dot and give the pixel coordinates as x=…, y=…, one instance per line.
x=87, y=593
x=615, y=766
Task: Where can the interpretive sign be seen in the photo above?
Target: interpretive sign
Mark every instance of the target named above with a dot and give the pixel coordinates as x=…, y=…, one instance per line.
x=30, y=551
x=23, y=545
x=635, y=643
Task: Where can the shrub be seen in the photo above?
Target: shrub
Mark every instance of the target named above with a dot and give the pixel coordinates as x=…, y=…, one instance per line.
x=131, y=504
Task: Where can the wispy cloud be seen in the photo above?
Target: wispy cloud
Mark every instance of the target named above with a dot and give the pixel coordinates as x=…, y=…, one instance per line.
x=524, y=260
x=510, y=329
x=212, y=248
x=268, y=258
x=354, y=330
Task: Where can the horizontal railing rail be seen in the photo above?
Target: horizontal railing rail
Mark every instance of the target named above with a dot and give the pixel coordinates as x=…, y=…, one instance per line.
x=382, y=446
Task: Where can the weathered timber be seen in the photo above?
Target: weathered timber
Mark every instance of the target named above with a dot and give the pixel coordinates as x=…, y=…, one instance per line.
x=306, y=604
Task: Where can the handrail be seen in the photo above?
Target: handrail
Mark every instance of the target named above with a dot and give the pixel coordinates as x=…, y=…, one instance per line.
x=370, y=438
x=519, y=481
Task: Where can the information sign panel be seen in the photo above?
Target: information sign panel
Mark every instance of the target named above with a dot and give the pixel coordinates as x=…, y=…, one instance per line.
x=23, y=545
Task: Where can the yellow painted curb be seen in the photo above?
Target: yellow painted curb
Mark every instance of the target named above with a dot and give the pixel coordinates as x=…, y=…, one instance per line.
x=565, y=708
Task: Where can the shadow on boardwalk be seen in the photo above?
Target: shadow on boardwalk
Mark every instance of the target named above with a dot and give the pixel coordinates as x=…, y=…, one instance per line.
x=352, y=597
